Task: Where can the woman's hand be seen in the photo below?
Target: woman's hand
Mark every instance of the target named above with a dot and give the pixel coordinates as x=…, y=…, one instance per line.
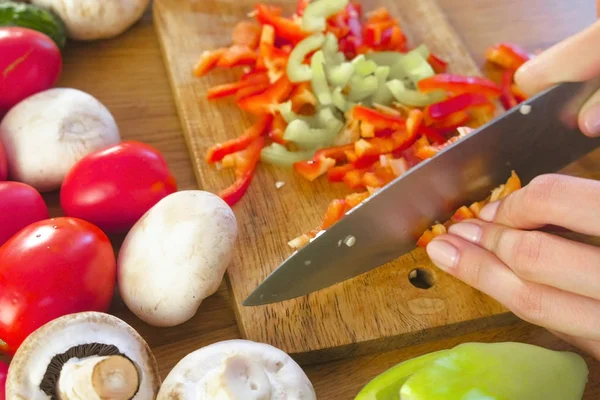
x=544, y=279
x=571, y=60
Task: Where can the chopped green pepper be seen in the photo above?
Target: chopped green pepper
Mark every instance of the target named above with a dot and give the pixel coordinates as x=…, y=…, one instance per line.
x=319, y=80
x=383, y=95
x=279, y=155
x=296, y=70
x=340, y=75
x=361, y=88
x=317, y=12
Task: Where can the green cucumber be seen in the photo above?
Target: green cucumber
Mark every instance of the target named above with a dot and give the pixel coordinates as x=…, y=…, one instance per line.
x=32, y=17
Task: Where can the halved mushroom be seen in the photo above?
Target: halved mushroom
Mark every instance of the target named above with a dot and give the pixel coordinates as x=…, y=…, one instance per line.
x=237, y=369
x=83, y=356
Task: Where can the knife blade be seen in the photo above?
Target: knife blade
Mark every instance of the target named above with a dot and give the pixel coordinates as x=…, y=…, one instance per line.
x=541, y=136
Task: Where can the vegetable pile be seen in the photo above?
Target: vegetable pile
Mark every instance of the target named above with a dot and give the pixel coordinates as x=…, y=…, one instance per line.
x=337, y=91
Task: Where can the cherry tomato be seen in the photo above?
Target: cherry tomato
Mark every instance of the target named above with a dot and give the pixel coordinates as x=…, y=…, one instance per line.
x=20, y=205
x=30, y=62
x=49, y=269
x=3, y=164
x=3, y=373
x=113, y=188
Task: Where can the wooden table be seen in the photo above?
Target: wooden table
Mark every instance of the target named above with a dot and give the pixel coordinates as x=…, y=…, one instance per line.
x=128, y=75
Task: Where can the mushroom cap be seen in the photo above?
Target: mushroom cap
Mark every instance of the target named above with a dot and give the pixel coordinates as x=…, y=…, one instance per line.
x=29, y=364
x=192, y=377
x=96, y=19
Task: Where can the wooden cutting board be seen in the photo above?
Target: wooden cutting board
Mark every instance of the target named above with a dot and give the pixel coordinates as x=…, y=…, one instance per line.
x=377, y=311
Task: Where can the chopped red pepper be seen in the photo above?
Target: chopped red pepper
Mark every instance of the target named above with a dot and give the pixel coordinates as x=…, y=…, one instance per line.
x=353, y=178
x=453, y=105
x=397, y=141
x=353, y=40
x=439, y=66
x=219, y=151
x=313, y=169
x=278, y=129
x=459, y=84
x=336, y=174
x=247, y=161
x=263, y=103
x=432, y=134
x=378, y=119
x=246, y=34
x=208, y=61
x=414, y=121
x=507, y=55
x=451, y=123
x=507, y=98
x=285, y=28
x=303, y=99
x=335, y=212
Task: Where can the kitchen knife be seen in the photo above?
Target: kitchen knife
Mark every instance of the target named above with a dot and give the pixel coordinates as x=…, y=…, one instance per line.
x=539, y=136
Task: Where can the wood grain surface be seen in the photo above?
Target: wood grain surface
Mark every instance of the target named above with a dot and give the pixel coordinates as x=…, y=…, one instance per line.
x=379, y=310
x=128, y=75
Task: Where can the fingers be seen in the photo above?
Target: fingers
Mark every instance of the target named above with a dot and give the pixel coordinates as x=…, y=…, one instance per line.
x=537, y=256
x=569, y=202
x=589, y=116
x=591, y=347
x=568, y=61
x=538, y=304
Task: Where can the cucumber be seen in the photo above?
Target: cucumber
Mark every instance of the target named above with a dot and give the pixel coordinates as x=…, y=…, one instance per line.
x=32, y=17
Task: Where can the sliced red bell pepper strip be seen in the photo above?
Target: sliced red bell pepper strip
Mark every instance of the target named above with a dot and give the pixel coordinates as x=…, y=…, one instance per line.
x=353, y=178
x=237, y=55
x=458, y=84
x=432, y=134
x=278, y=129
x=247, y=33
x=507, y=98
x=378, y=119
x=263, y=103
x=398, y=141
x=507, y=55
x=249, y=80
x=285, y=28
x=439, y=66
x=219, y=151
x=451, y=123
x=353, y=41
x=453, y=105
x=244, y=172
x=518, y=93
x=414, y=121
x=208, y=61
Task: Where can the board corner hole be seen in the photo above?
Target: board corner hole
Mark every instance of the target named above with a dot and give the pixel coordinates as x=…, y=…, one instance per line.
x=421, y=278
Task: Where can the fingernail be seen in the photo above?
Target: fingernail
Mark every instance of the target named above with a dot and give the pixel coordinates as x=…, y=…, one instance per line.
x=467, y=231
x=488, y=213
x=443, y=254
x=591, y=120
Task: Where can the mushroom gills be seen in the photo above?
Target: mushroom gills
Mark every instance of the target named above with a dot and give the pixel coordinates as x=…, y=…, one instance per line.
x=241, y=378
x=98, y=377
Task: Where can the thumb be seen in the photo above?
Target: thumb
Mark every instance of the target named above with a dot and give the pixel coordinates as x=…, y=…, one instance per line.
x=572, y=60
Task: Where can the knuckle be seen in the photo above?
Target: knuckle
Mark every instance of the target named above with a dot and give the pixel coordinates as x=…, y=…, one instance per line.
x=527, y=254
x=528, y=304
x=542, y=188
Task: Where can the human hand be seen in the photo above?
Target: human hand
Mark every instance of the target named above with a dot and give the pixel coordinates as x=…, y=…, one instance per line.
x=571, y=60
x=544, y=279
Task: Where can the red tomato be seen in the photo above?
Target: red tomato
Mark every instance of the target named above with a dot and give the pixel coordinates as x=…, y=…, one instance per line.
x=20, y=205
x=3, y=164
x=30, y=63
x=3, y=373
x=49, y=269
x=114, y=187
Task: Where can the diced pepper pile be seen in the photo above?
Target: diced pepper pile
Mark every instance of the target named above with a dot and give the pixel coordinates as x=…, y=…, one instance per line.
x=338, y=92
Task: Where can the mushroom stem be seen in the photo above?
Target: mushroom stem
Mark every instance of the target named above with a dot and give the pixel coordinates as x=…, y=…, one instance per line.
x=242, y=378
x=110, y=377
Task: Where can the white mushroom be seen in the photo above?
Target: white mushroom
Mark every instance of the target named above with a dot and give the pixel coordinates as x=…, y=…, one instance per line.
x=175, y=256
x=83, y=356
x=47, y=133
x=96, y=19
x=235, y=370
